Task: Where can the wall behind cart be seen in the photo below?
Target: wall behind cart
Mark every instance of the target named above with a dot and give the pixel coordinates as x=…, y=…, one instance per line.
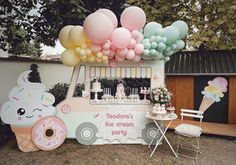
x=51, y=73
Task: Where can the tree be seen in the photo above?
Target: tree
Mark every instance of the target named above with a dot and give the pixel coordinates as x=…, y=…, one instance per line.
x=212, y=22
x=34, y=75
x=16, y=22
x=23, y=30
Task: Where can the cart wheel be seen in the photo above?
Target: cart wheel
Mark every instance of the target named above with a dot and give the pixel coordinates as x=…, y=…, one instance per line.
x=86, y=133
x=149, y=132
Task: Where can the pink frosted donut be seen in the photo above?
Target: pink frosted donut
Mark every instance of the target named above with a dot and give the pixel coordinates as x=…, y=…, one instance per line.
x=49, y=133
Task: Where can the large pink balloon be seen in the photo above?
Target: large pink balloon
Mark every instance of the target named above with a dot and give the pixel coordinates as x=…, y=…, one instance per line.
x=121, y=37
x=133, y=18
x=111, y=15
x=98, y=27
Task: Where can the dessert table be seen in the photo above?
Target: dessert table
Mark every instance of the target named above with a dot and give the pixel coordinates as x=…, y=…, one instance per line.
x=163, y=118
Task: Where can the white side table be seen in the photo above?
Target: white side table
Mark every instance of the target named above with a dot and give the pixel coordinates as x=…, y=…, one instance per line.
x=165, y=118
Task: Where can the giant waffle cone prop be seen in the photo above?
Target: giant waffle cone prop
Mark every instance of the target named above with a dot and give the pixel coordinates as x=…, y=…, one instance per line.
x=24, y=138
x=206, y=103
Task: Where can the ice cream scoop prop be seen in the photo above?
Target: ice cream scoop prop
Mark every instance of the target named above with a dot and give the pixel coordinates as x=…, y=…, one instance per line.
x=213, y=92
x=27, y=104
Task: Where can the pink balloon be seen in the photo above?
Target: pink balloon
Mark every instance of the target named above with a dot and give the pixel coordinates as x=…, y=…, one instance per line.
x=113, y=63
x=135, y=34
x=130, y=55
x=133, y=18
x=137, y=58
x=106, y=52
x=113, y=46
x=95, y=47
x=98, y=27
x=132, y=43
x=106, y=45
x=121, y=37
x=140, y=38
x=111, y=16
x=122, y=52
x=139, y=48
x=119, y=58
x=112, y=54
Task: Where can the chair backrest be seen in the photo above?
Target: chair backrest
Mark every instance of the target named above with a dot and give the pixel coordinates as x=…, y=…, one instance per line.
x=192, y=113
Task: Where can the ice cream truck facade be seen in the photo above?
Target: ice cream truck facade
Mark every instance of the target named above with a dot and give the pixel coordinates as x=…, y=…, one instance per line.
x=109, y=116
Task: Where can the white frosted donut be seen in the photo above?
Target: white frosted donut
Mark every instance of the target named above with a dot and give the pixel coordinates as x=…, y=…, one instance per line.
x=49, y=133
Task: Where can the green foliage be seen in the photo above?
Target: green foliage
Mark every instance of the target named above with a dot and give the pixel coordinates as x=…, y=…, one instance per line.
x=212, y=23
x=60, y=90
x=26, y=24
x=34, y=75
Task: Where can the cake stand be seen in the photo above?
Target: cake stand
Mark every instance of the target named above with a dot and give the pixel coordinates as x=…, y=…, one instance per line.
x=96, y=91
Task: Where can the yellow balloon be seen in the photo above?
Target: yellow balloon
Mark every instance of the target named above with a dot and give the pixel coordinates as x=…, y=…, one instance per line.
x=64, y=37
x=91, y=58
x=83, y=58
x=77, y=50
x=98, y=59
x=104, y=58
x=88, y=51
x=69, y=58
x=77, y=35
x=99, y=55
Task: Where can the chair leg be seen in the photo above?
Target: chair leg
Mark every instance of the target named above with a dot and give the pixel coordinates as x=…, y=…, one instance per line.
x=177, y=150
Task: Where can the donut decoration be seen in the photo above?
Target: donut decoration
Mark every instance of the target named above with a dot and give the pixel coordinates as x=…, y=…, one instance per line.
x=48, y=133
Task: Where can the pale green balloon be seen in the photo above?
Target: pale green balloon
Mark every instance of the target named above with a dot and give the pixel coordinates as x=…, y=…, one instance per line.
x=167, y=59
x=182, y=27
x=146, y=52
x=161, y=46
x=171, y=33
x=180, y=44
x=147, y=45
x=152, y=52
x=159, y=32
x=158, y=39
x=173, y=46
x=154, y=45
x=151, y=28
x=145, y=41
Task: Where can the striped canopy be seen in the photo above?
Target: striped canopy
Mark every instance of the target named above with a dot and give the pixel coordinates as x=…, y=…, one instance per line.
x=120, y=72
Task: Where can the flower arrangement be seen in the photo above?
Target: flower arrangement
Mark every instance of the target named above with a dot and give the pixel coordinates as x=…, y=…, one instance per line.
x=160, y=96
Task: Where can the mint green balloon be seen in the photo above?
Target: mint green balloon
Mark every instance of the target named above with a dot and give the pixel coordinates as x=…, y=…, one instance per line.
x=161, y=46
x=154, y=45
x=180, y=44
x=163, y=39
x=152, y=38
x=171, y=33
x=159, y=32
x=167, y=59
x=145, y=41
x=158, y=39
x=152, y=52
x=169, y=53
x=151, y=28
x=146, y=52
x=182, y=27
x=168, y=48
x=173, y=46
x=147, y=45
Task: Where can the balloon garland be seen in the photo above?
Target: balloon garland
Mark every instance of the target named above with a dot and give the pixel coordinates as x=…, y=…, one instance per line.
x=100, y=40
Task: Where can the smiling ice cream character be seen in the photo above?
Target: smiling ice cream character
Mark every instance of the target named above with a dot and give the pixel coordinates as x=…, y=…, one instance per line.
x=213, y=92
x=27, y=104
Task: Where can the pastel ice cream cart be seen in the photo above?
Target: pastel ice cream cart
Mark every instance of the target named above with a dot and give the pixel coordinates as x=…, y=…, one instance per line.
x=111, y=115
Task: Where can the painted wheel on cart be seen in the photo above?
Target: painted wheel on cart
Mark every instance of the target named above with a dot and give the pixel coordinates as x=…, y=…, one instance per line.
x=86, y=133
x=149, y=132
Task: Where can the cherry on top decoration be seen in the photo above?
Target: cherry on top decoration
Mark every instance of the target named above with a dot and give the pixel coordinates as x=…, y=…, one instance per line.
x=100, y=40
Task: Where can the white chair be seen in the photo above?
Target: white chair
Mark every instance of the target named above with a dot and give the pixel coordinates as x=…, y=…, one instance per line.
x=188, y=132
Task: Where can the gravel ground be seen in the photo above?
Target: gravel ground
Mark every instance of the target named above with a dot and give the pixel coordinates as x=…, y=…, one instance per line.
x=215, y=151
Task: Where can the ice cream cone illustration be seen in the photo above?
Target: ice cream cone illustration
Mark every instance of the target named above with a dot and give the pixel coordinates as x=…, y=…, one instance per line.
x=24, y=138
x=213, y=92
x=27, y=104
x=205, y=104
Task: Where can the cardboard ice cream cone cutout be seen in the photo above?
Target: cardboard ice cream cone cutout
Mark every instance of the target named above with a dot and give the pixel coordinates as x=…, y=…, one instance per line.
x=205, y=104
x=28, y=102
x=24, y=138
x=213, y=92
